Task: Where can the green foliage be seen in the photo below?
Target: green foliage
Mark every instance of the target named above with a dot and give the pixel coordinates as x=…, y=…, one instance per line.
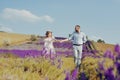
x=90, y=66
x=38, y=36
x=29, y=69
x=6, y=43
x=33, y=38
x=8, y=55
x=100, y=41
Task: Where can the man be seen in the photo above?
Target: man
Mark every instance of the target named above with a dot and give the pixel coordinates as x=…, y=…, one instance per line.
x=78, y=38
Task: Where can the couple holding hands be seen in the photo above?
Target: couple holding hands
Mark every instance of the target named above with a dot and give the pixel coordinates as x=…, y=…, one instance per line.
x=77, y=38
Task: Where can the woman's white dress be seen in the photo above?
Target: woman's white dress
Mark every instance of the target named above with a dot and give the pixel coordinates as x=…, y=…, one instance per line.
x=48, y=45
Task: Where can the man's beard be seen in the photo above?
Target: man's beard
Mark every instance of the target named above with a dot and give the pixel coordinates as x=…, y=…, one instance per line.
x=77, y=31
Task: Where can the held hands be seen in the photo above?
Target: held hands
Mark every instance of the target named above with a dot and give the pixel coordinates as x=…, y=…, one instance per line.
x=61, y=41
x=64, y=40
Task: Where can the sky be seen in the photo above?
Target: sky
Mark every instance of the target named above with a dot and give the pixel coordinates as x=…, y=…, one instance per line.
x=99, y=19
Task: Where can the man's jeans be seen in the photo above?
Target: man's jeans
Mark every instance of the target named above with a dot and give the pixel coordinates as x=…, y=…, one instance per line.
x=77, y=54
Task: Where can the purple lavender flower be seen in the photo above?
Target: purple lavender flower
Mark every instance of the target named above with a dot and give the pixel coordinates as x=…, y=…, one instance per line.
x=109, y=74
x=109, y=54
x=100, y=76
x=59, y=66
x=117, y=48
x=46, y=78
x=101, y=67
x=68, y=76
x=60, y=62
x=118, y=67
x=74, y=74
x=83, y=76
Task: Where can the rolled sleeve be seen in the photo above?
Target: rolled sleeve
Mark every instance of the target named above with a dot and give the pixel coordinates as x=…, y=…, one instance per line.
x=84, y=38
x=70, y=37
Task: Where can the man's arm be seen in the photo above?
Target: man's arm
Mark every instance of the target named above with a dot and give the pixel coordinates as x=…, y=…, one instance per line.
x=64, y=40
x=84, y=38
x=68, y=39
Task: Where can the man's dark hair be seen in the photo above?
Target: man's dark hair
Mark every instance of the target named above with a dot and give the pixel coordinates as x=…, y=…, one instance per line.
x=77, y=26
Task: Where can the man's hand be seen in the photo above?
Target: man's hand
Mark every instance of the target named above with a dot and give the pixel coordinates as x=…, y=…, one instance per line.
x=61, y=41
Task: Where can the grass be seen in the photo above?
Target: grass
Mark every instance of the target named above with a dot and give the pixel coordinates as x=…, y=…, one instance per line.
x=12, y=38
x=102, y=47
x=33, y=69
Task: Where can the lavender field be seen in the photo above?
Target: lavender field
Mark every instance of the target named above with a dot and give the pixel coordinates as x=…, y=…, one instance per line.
x=27, y=62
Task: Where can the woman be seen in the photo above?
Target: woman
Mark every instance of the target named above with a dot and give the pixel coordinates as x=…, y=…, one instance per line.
x=48, y=43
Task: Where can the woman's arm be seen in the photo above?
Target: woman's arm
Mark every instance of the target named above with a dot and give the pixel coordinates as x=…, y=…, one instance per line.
x=64, y=40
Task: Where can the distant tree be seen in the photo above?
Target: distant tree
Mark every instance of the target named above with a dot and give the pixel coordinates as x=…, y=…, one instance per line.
x=100, y=41
x=2, y=31
x=38, y=36
x=6, y=43
x=33, y=38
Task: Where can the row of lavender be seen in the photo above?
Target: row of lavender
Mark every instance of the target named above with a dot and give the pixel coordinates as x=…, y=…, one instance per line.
x=28, y=49
x=32, y=53
x=64, y=48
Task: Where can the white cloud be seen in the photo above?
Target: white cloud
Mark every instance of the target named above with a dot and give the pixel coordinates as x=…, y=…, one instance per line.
x=5, y=29
x=24, y=15
x=95, y=38
x=47, y=18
